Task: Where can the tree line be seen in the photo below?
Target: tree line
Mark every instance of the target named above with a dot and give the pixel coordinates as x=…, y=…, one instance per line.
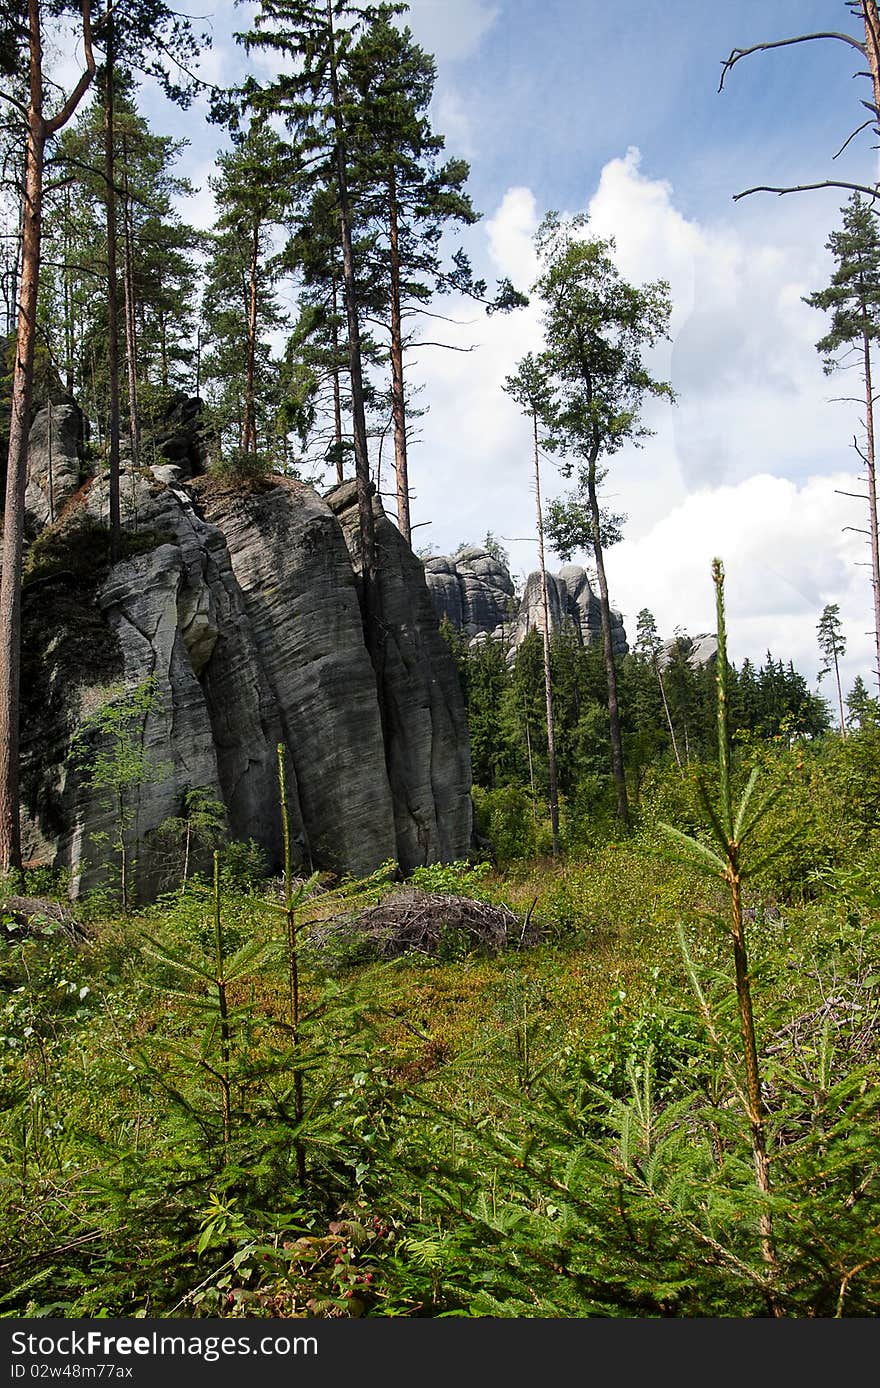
x=667, y=710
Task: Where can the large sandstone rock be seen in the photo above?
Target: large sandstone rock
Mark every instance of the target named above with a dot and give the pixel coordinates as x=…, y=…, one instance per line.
x=180, y=440
x=473, y=589
x=54, y=448
x=697, y=650
x=241, y=607
x=292, y=567
x=475, y=592
x=570, y=598
x=427, y=747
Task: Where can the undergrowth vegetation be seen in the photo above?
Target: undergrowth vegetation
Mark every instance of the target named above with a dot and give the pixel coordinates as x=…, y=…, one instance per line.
x=231, y=1104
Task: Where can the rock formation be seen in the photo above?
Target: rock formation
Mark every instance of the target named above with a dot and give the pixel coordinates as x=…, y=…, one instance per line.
x=475, y=592
x=243, y=611
x=54, y=450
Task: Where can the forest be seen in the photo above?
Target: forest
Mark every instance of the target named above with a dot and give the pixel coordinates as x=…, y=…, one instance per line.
x=355, y=961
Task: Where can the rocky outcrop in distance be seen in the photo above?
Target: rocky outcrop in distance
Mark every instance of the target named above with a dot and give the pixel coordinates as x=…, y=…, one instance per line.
x=475, y=592
x=243, y=610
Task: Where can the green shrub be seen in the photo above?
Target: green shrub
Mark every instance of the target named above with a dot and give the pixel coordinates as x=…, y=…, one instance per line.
x=507, y=818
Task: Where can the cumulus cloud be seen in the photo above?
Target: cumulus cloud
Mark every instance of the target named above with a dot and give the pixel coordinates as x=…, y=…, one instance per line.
x=744, y=466
x=786, y=553
x=450, y=29
x=752, y=395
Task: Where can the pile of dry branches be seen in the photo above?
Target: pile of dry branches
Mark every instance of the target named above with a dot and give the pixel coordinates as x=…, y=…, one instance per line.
x=851, y=1024
x=33, y=914
x=411, y=920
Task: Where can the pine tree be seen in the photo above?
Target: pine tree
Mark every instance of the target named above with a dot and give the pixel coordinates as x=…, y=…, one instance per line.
x=649, y=646
x=862, y=709
x=240, y=303
x=314, y=38
x=159, y=272
x=151, y=37
x=530, y=389
x=853, y=300
x=832, y=644
x=400, y=188
x=25, y=38
x=597, y=327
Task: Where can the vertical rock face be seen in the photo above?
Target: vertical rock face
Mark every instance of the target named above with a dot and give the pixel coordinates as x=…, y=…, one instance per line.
x=54, y=445
x=243, y=611
x=474, y=591
x=427, y=748
x=571, y=598
x=291, y=564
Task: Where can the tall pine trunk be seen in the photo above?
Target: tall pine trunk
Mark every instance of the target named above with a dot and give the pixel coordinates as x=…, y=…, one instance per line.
x=617, y=766
x=38, y=131
x=112, y=294
x=337, y=391
x=131, y=351
x=16, y=472
x=398, y=401
x=669, y=723
x=249, y=432
x=548, y=687
x=870, y=463
x=359, y=422
x=69, y=324
x=871, y=16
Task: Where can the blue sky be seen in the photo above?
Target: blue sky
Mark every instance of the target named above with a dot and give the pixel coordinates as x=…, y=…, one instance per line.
x=579, y=105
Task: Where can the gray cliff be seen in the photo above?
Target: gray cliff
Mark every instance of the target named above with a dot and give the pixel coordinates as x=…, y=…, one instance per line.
x=243, y=609
x=474, y=591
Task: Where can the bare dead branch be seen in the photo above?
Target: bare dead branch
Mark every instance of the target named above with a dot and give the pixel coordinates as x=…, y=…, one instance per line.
x=864, y=125
x=737, y=53
x=448, y=346
x=808, y=188
x=13, y=101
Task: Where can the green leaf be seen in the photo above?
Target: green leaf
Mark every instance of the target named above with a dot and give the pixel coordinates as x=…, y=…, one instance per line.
x=764, y=805
x=755, y=868
x=173, y=961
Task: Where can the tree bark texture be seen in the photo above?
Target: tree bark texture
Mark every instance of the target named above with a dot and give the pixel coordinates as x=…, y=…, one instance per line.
x=548, y=686
x=617, y=766
x=16, y=472
x=249, y=433
x=361, y=454
x=39, y=129
x=337, y=390
x=398, y=402
x=870, y=462
x=131, y=351
x=112, y=296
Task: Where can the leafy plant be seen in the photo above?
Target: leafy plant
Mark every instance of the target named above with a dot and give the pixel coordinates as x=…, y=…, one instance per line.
x=111, y=753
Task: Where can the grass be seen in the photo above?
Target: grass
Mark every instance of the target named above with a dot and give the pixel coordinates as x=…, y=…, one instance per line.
x=109, y=1125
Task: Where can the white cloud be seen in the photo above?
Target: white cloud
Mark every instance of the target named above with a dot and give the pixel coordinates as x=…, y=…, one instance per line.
x=510, y=234
x=786, y=554
x=449, y=113
x=450, y=29
x=745, y=465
